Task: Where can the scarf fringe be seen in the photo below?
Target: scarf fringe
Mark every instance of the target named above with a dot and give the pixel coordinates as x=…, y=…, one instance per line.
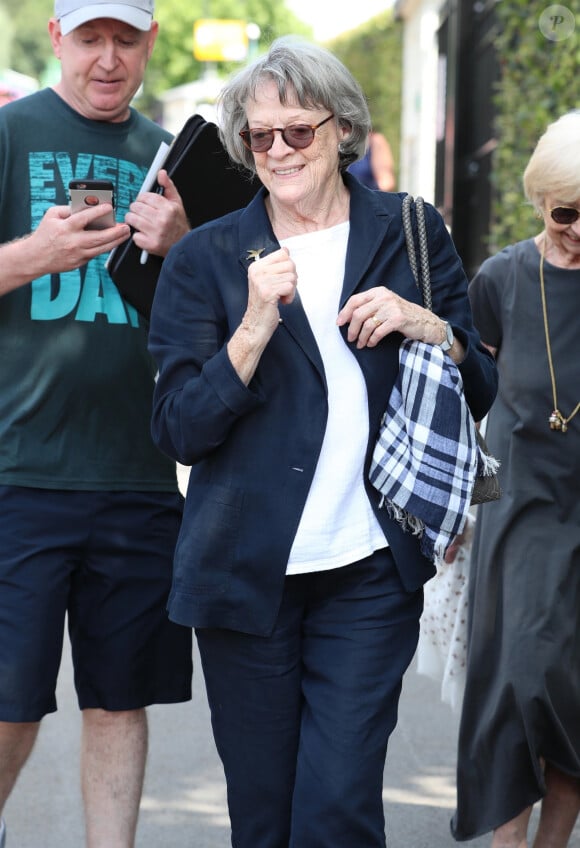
x=412, y=524
x=409, y=523
x=487, y=465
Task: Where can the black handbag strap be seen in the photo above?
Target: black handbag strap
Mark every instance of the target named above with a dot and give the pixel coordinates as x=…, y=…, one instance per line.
x=420, y=267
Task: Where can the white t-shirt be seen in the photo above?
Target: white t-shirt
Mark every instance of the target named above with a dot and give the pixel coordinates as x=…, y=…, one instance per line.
x=338, y=525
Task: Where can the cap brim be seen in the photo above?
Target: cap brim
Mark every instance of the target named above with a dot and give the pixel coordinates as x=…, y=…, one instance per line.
x=128, y=14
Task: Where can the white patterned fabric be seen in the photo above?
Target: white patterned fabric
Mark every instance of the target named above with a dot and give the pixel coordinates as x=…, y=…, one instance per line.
x=442, y=648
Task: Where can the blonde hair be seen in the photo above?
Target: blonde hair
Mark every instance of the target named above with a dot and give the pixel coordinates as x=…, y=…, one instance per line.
x=554, y=166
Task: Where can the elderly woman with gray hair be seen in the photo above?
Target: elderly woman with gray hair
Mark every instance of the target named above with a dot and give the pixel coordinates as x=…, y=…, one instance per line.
x=277, y=331
x=520, y=727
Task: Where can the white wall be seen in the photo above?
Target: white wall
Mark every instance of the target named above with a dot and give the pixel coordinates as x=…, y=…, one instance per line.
x=178, y=104
x=423, y=95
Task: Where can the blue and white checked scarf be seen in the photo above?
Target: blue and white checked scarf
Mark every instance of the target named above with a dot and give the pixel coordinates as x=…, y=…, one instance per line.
x=427, y=458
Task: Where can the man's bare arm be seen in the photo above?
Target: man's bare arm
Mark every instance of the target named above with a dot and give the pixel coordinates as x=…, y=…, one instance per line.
x=60, y=243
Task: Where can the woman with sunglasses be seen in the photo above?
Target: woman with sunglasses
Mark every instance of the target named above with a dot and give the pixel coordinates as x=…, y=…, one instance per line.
x=520, y=728
x=276, y=331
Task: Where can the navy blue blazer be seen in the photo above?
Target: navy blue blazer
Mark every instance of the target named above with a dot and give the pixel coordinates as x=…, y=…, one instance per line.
x=253, y=449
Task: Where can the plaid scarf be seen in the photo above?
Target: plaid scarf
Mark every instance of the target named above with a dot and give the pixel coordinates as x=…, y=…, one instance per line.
x=426, y=458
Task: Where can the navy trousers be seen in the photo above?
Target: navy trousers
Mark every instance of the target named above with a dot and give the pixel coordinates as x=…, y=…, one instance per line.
x=302, y=718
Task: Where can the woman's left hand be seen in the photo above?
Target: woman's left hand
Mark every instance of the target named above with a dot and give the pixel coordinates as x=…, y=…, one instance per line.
x=373, y=314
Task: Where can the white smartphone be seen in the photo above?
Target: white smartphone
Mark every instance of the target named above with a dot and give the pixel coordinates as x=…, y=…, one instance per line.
x=85, y=194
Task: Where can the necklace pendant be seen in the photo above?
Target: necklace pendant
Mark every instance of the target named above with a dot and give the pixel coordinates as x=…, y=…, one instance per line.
x=556, y=420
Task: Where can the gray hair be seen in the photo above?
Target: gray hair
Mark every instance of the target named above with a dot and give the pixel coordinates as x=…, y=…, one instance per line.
x=312, y=75
x=554, y=166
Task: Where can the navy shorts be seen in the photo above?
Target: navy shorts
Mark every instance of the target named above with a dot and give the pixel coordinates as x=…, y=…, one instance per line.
x=103, y=562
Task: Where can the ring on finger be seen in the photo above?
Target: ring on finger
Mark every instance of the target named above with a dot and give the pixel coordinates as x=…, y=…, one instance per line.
x=377, y=321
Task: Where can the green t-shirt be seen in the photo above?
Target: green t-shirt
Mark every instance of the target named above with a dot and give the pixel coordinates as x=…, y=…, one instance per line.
x=76, y=380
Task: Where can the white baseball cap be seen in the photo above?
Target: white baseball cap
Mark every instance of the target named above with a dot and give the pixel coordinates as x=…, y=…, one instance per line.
x=73, y=13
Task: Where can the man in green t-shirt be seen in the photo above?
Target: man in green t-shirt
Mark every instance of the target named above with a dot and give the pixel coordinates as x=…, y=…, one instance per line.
x=89, y=509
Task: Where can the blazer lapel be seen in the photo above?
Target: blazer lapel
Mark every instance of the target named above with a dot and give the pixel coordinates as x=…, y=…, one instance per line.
x=368, y=228
x=295, y=322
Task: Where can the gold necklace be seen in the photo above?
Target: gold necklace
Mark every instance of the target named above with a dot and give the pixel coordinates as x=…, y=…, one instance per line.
x=557, y=420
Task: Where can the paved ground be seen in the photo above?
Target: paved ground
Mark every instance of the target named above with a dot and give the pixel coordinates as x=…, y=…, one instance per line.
x=184, y=799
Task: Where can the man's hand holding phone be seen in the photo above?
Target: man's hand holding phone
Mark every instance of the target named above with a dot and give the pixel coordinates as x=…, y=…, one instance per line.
x=66, y=238
x=69, y=236
x=80, y=236
x=85, y=229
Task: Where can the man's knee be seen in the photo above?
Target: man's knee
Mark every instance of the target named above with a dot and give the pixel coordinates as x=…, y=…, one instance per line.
x=16, y=742
x=101, y=720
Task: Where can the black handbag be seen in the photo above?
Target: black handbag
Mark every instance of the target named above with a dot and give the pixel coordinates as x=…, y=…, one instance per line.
x=487, y=486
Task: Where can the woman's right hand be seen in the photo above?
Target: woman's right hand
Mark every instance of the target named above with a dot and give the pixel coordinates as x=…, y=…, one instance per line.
x=271, y=281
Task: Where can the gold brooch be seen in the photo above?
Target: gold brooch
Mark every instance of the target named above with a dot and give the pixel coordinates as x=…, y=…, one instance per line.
x=255, y=254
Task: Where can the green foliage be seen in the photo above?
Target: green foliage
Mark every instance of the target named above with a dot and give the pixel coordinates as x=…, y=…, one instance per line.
x=373, y=53
x=173, y=62
x=30, y=48
x=538, y=83
x=5, y=38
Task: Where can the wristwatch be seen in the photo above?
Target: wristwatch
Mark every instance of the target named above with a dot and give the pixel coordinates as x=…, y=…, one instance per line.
x=447, y=342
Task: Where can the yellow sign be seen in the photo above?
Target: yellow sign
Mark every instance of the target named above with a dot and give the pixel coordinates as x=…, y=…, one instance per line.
x=217, y=40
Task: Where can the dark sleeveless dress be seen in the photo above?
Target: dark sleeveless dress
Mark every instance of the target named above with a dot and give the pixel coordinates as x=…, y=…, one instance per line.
x=522, y=693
